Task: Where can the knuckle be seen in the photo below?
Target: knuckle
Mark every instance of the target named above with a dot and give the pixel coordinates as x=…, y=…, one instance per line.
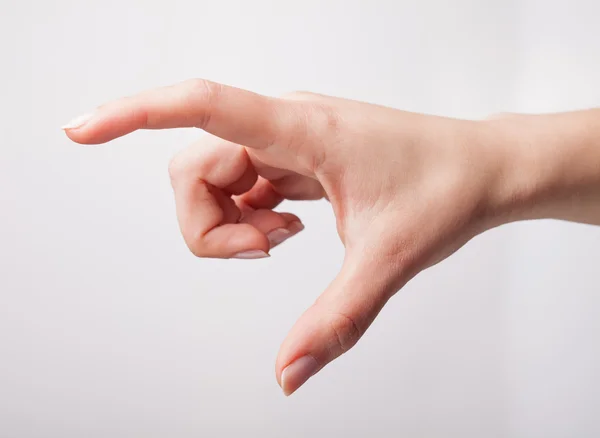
x=177, y=167
x=206, y=93
x=203, y=87
x=295, y=126
x=331, y=121
x=323, y=128
x=195, y=243
x=346, y=331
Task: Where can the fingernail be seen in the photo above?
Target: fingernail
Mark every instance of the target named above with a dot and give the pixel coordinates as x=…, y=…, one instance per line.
x=297, y=373
x=78, y=122
x=252, y=254
x=296, y=227
x=278, y=235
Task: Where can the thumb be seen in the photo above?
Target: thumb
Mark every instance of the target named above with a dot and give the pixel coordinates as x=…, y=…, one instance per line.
x=336, y=321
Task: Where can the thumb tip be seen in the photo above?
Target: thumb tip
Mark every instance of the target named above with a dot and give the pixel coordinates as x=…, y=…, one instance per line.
x=297, y=373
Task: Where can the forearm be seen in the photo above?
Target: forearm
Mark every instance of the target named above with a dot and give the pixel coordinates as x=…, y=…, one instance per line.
x=550, y=166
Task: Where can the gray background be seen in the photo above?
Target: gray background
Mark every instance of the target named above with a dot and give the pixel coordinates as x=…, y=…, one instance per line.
x=110, y=328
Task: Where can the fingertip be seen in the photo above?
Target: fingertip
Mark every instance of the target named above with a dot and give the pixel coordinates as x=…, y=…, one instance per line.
x=290, y=218
x=305, y=339
x=297, y=374
x=242, y=241
x=77, y=129
x=82, y=135
x=75, y=136
x=295, y=227
x=106, y=123
x=279, y=235
x=77, y=122
x=325, y=331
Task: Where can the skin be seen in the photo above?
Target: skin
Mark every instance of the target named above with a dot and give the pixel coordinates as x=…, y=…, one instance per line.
x=407, y=189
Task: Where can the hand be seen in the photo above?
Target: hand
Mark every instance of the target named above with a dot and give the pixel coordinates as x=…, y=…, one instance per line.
x=407, y=191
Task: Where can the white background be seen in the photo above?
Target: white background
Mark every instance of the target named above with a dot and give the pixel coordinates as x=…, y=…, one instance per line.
x=110, y=328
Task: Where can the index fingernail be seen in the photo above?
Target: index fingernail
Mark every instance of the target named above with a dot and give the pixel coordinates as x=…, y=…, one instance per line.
x=77, y=122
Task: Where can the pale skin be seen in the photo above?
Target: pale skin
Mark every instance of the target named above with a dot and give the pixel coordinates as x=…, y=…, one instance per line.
x=407, y=189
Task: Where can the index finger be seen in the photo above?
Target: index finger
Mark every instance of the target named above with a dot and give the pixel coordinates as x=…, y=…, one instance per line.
x=233, y=114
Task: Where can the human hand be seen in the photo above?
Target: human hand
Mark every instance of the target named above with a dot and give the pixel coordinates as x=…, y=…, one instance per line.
x=407, y=191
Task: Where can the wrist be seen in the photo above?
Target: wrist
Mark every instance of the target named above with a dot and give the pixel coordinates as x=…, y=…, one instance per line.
x=548, y=166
